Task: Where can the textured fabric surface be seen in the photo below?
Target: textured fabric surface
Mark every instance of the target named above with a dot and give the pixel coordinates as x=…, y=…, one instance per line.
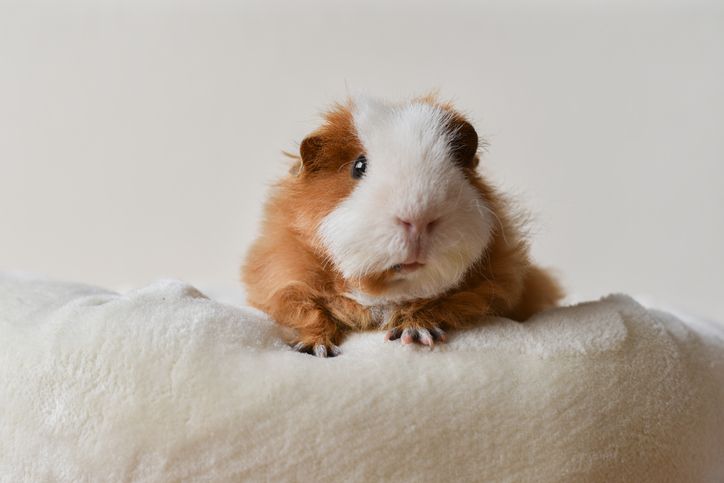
x=164, y=384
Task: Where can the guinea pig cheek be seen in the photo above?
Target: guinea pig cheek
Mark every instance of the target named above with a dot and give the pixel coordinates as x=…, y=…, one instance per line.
x=358, y=238
x=459, y=240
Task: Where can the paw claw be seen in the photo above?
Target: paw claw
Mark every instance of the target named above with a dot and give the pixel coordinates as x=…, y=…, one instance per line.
x=426, y=337
x=438, y=334
x=318, y=350
x=408, y=336
x=393, y=334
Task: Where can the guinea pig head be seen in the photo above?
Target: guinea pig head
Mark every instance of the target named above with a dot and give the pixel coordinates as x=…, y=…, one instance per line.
x=407, y=222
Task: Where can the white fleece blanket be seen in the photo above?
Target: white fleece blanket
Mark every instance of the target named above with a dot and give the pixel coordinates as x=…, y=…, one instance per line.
x=163, y=384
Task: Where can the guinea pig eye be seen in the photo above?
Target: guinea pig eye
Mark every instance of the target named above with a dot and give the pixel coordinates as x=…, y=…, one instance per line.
x=359, y=167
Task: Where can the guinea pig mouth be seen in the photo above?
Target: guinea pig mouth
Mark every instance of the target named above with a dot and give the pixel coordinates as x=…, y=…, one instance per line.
x=407, y=267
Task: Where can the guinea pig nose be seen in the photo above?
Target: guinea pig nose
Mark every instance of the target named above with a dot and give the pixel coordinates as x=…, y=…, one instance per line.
x=416, y=227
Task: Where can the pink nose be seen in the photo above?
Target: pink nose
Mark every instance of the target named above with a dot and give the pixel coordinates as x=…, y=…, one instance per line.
x=416, y=227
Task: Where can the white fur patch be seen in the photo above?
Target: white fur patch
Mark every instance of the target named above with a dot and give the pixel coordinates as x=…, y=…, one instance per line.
x=410, y=175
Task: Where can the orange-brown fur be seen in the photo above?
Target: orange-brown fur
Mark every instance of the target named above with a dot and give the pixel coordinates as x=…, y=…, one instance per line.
x=288, y=275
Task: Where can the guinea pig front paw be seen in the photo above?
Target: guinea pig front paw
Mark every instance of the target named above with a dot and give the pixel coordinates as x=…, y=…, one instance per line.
x=425, y=336
x=319, y=349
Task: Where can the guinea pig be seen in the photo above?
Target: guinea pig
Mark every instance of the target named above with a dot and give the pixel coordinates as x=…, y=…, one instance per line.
x=385, y=223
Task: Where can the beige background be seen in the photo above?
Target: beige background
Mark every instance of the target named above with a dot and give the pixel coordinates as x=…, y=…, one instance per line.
x=137, y=139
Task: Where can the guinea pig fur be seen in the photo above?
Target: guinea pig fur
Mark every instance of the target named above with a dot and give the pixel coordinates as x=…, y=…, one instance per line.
x=385, y=223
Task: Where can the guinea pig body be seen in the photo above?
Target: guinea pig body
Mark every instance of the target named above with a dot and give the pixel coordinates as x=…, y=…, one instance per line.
x=386, y=224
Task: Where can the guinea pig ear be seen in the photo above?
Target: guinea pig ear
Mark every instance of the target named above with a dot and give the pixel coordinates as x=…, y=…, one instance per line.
x=310, y=150
x=463, y=142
